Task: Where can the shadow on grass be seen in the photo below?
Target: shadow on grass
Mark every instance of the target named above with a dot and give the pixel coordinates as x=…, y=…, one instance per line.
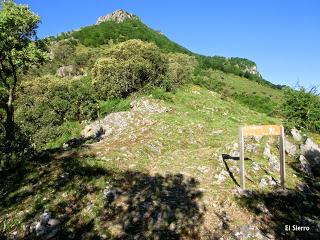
x=154, y=207
x=226, y=157
x=73, y=190
x=294, y=207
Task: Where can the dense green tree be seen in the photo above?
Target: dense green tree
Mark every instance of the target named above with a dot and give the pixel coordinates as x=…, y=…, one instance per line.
x=19, y=50
x=301, y=109
x=44, y=104
x=128, y=67
x=180, y=68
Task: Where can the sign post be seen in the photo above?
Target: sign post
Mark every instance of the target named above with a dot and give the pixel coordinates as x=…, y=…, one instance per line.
x=262, y=130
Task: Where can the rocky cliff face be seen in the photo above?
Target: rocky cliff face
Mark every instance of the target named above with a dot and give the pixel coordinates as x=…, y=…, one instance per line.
x=252, y=70
x=117, y=16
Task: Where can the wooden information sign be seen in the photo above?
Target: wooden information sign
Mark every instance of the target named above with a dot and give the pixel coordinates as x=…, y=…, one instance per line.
x=262, y=130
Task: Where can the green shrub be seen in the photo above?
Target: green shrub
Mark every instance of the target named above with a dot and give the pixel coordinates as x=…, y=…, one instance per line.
x=180, y=68
x=63, y=50
x=301, y=109
x=128, y=67
x=45, y=103
x=162, y=94
x=209, y=83
x=255, y=102
x=113, y=105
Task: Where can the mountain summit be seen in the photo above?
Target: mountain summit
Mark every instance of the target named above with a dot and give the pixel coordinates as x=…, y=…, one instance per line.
x=117, y=16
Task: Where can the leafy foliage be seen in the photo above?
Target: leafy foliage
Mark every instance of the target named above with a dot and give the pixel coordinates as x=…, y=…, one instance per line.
x=128, y=67
x=19, y=50
x=105, y=32
x=239, y=66
x=45, y=103
x=180, y=68
x=301, y=109
x=262, y=104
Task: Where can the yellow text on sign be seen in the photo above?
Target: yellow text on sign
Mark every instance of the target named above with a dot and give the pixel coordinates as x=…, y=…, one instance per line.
x=261, y=130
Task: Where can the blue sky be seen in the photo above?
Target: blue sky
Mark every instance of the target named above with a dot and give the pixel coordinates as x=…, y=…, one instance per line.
x=281, y=36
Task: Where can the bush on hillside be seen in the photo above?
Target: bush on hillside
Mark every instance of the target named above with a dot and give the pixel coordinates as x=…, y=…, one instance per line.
x=263, y=104
x=180, y=68
x=45, y=103
x=128, y=67
x=301, y=108
x=62, y=51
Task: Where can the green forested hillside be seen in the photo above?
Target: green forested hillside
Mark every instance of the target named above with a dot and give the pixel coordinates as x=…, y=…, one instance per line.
x=117, y=132
x=111, y=31
x=97, y=35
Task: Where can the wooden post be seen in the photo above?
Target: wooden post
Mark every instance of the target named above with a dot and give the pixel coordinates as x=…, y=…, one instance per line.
x=242, y=170
x=282, y=157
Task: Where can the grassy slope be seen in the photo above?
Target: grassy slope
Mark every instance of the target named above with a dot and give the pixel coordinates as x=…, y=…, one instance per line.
x=179, y=154
x=256, y=96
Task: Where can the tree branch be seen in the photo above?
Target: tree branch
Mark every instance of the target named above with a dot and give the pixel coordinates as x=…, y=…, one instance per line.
x=4, y=72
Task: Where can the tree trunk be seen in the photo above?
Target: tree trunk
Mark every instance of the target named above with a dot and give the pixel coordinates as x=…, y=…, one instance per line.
x=9, y=126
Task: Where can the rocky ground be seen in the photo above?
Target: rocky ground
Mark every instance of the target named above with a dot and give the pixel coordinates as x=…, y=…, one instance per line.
x=168, y=170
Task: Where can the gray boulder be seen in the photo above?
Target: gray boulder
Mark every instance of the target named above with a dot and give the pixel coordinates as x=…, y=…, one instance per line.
x=274, y=163
x=296, y=135
x=263, y=183
x=67, y=71
x=290, y=148
x=47, y=228
x=308, y=146
x=305, y=165
x=116, y=123
x=267, y=151
x=311, y=151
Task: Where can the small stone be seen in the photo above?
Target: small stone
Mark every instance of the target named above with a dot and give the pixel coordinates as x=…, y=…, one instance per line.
x=235, y=154
x=267, y=151
x=44, y=218
x=274, y=163
x=53, y=228
x=40, y=229
x=65, y=146
x=271, y=181
x=111, y=195
x=53, y=222
x=257, y=138
x=221, y=176
x=235, y=146
x=263, y=183
x=263, y=207
x=296, y=135
x=251, y=148
x=256, y=166
x=203, y=169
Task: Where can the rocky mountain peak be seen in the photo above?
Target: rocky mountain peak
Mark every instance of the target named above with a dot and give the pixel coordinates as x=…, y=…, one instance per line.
x=117, y=16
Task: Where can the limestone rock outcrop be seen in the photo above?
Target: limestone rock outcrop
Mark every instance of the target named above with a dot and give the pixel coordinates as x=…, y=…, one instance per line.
x=118, y=16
